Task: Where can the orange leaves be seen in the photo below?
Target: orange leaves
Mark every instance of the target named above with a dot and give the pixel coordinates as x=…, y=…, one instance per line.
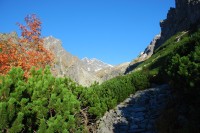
x=1, y=46
x=31, y=32
x=29, y=50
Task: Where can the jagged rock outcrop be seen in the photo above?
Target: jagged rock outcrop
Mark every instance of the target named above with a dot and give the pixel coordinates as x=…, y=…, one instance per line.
x=68, y=65
x=85, y=71
x=143, y=55
x=63, y=59
x=184, y=16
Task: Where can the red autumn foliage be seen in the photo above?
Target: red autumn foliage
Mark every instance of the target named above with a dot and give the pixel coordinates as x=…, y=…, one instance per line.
x=29, y=50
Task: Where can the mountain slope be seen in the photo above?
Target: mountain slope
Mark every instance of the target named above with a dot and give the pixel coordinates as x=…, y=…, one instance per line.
x=85, y=71
x=63, y=59
x=94, y=65
x=67, y=64
x=111, y=72
x=148, y=52
x=185, y=16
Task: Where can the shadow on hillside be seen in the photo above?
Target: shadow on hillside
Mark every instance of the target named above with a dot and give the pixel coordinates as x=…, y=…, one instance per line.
x=131, y=67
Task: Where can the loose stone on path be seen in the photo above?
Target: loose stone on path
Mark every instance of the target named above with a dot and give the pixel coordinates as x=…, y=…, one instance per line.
x=137, y=114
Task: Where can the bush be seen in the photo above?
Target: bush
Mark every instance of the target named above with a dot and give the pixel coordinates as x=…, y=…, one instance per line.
x=183, y=73
x=101, y=98
x=43, y=103
x=184, y=66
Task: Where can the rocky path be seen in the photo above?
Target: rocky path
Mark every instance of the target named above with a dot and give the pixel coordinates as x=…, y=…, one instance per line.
x=137, y=114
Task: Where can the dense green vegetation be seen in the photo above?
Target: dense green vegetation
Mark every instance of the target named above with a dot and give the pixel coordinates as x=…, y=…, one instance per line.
x=184, y=66
x=177, y=62
x=183, y=72
x=43, y=103
x=107, y=95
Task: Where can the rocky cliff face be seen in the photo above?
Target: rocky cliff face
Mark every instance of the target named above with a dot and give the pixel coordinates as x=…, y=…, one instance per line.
x=68, y=65
x=184, y=16
x=63, y=59
x=85, y=71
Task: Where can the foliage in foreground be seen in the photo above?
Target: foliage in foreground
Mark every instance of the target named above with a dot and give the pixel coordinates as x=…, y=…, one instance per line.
x=43, y=103
x=183, y=73
x=26, y=51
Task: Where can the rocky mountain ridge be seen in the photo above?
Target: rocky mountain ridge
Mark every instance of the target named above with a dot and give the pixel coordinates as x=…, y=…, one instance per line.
x=63, y=59
x=68, y=65
x=143, y=55
x=85, y=71
x=183, y=17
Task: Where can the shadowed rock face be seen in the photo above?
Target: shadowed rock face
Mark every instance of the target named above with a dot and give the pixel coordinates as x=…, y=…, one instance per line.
x=138, y=113
x=183, y=17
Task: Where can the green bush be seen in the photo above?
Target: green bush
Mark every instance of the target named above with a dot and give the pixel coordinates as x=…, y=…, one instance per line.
x=101, y=98
x=183, y=72
x=184, y=66
x=42, y=103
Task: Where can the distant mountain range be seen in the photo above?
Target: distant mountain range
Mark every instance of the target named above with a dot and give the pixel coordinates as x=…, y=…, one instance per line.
x=84, y=71
x=94, y=65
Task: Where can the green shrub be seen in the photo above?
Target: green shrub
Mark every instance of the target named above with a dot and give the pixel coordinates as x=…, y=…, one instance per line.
x=184, y=66
x=101, y=98
x=38, y=104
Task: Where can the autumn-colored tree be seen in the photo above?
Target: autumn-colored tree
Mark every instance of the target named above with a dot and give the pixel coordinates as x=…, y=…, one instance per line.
x=28, y=51
x=31, y=32
x=9, y=56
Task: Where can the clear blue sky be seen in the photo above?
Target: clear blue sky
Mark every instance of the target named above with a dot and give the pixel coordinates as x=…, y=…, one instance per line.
x=114, y=31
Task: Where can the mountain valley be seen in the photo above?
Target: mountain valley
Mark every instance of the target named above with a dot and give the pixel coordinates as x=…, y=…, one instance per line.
x=44, y=88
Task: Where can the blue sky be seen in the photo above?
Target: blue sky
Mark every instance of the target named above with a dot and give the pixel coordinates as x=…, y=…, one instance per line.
x=114, y=31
